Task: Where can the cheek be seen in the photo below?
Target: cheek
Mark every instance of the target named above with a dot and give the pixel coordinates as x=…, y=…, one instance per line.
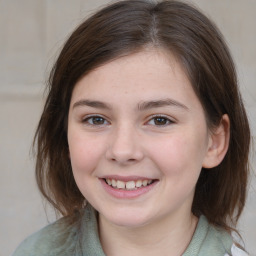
x=180, y=155
x=84, y=153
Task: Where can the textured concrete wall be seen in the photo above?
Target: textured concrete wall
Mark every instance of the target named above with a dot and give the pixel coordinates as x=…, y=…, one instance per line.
x=31, y=33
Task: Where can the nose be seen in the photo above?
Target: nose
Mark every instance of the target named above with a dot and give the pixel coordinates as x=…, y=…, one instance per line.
x=124, y=146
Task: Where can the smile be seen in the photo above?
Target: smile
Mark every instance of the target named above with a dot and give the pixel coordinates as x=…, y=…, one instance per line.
x=129, y=185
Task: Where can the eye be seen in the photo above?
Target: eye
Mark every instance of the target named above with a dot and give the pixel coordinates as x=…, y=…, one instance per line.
x=160, y=121
x=95, y=120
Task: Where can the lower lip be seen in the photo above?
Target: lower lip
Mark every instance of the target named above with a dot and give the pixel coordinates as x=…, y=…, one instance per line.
x=127, y=194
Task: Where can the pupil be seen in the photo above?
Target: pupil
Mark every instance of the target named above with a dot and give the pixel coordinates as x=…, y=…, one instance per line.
x=160, y=121
x=98, y=120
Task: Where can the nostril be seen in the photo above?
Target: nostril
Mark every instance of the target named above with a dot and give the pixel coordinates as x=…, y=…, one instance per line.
x=131, y=160
x=124, y=155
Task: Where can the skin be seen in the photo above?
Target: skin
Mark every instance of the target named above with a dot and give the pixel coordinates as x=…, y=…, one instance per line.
x=114, y=130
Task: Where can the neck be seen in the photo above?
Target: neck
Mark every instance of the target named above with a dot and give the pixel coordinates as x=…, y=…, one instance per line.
x=168, y=236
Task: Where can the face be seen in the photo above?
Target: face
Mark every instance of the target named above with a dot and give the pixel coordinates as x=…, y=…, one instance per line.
x=138, y=139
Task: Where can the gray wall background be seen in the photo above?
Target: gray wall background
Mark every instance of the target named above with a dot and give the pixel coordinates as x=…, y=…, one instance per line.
x=31, y=33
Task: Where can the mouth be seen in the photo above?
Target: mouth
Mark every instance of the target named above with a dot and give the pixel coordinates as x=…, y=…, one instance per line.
x=129, y=185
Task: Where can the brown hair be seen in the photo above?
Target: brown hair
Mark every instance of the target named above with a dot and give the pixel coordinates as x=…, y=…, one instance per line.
x=126, y=27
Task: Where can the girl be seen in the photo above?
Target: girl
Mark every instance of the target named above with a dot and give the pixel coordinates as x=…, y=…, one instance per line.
x=143, y=142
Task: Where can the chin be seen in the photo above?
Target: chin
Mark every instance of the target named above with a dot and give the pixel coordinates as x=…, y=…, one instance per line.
x=128, y=222
x=127, y=218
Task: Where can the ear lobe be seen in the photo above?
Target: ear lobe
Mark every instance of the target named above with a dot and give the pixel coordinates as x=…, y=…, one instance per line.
x=218, y=144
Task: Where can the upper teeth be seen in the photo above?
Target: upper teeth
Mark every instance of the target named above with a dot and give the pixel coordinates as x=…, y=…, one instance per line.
x=129, y=185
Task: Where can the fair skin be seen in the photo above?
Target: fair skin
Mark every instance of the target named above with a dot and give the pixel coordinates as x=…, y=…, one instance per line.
x=137, y=120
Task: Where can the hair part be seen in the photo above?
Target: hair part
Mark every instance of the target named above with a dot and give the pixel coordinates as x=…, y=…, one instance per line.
x=126, y=27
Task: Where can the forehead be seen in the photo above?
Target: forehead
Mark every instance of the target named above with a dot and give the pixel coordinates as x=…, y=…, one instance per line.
x=145, y=65
x=146, y=75
x=130, y=83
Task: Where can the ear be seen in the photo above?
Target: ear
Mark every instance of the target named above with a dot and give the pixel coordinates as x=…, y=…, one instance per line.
x=218, y=143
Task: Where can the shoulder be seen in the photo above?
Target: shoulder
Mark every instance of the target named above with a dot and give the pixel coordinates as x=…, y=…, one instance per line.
x=58, y=238
x=209, y=240
x=235, y=251
x=226, y=241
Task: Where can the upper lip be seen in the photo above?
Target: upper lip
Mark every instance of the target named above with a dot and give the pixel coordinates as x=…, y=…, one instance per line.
x=126, y=178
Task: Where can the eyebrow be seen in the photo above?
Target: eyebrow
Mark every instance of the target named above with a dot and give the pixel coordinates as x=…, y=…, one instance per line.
x=161, y=103
x=92, y=103
x=141, y=106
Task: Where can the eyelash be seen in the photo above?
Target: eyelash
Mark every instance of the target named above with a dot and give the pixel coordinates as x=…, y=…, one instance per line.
x=87, y=120
x=167, y=120
x=90, y=120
